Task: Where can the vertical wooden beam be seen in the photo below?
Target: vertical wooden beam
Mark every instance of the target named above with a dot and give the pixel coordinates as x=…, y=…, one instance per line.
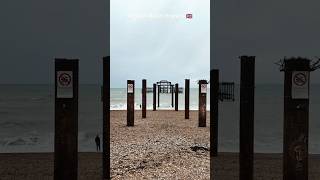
x=172, y=96
x=130, y=103
x=154, y=97
x=106, y=119
x=214, y=111
x=247, y=86
x=187, y=96
x=144, y=98
x=202, y=103
x=177, y=97
x=66, y=119
x=159, y=96
x=296, y=119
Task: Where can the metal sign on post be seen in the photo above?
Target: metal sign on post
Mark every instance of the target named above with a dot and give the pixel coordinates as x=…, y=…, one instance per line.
x=64, y=84
x=203, y=88
x=300, y=84
x=130, y=88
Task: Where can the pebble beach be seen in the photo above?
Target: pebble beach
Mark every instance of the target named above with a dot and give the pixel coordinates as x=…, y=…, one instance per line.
x=162, y=146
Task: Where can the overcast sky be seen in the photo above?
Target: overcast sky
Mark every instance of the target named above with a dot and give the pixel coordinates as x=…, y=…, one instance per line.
x=268, y=30
x=155, y=40
x=33, y=32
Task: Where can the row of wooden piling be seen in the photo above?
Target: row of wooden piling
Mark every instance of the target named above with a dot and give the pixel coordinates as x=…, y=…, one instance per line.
x=131, y=100
x=296, y=118
x=66, y=115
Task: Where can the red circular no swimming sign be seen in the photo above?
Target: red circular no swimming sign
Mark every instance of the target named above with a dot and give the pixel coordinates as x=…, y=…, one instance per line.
x=300, y=79
x=64, y=79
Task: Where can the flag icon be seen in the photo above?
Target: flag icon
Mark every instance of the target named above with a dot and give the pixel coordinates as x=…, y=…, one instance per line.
x=189, y=16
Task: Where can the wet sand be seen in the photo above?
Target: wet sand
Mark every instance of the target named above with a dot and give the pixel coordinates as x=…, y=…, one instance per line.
x=162, y=146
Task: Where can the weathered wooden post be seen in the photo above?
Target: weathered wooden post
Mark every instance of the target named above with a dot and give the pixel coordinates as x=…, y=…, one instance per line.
x=159, y=96
x=214, y=111
x=144, y=98
x=172, y=95
x=296, y=118
x=106, y=119
x=130, y=103
x=247, y=86
x=66, y=119
x=154, y=97
x=187, y=96
x=202, y=103
x=177, y=97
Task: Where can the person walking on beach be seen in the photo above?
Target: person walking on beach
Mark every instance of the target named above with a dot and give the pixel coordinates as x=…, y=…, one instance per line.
x=97, y=139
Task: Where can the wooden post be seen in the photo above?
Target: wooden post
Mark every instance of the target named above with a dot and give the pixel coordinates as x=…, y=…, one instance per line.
x=296, y=119
x=158, y=96
x=202, y=103
x=106, y=119
x=130, y=103
x=187, y=96
x=154, y=97
x=66, y=119
x=214, y=111
x=144, y=98
x=247, y=85
x=177, y=97
x=172, y=96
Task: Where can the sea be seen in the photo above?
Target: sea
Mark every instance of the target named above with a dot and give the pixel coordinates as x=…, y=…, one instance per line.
x=27, y=117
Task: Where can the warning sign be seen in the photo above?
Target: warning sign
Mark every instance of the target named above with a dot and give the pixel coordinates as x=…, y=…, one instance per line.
x=203, y=88
x=64, y=84
x=300, y=84
x=130, y=88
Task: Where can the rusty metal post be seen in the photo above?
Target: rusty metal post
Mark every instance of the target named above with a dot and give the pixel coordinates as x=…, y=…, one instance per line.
x=66, y=119
x=154, y=97
x=214, y=111
x=187, y=96
x=144, y=98
x=247, y=86
x=130, y=103
x=177, y=97
x=296, y=119
x=106, y=119
x=202, y=103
